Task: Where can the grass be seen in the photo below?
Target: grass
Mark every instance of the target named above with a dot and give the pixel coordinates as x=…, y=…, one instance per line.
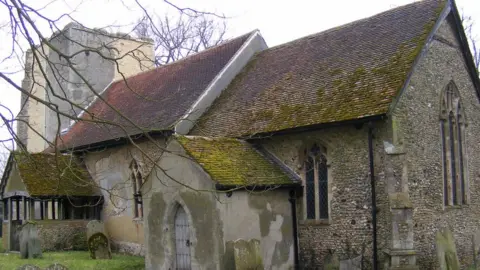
x=74, y=260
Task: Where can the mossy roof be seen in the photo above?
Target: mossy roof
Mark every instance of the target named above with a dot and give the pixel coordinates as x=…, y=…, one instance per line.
x=233, y=162
x=345, y=73
x=54, y=175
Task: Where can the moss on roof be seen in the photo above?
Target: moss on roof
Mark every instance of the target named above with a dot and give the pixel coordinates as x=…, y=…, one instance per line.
x=233, y=162
x=346, y=73
x=54, y=175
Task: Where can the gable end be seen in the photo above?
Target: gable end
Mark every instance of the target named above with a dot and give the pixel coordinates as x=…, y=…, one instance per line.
x=467, y=54
x=449, y=9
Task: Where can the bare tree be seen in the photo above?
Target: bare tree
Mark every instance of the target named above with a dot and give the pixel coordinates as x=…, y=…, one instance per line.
x=29, y=39
x=176, y=38
x=468, y=24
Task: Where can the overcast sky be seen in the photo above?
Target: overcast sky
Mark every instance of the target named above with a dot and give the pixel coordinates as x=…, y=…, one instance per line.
x=278, y=21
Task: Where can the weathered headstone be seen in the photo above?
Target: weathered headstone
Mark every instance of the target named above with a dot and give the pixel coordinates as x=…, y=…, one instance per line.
x=95, y=226
x=247, y=255
x=29, y=267
x=56, y=266
x=229, y=258
x=331, y=261
x=99, y=246
x=476, y=247
x=351, y=264
x=446, y=251
x=30, y=246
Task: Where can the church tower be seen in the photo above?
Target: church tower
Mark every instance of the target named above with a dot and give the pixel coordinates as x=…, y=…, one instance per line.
x=97, y=57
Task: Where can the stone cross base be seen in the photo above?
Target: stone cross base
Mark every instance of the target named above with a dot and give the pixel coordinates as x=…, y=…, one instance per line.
x=401, y=259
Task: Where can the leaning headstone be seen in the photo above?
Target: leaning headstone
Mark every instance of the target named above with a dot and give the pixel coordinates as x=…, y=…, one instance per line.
x=56, y=266
x=247, y=255
x=99, y=246
x=351, y=264
x=446, y=251
x=95, y=226
x=30, y=246
x=29, y=267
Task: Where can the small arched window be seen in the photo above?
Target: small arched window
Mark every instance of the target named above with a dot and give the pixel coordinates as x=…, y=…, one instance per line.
x=452, y=125
x=316, y=203
x=137, y=181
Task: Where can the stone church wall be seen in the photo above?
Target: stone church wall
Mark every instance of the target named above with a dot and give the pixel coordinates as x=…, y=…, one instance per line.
x=348, y=231
x=58, y=235
x=408, y=160
x=110, y=168
x=418, y=126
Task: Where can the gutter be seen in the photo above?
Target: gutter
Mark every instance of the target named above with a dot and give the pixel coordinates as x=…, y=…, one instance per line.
x=374, y=202
x=221, y=187
x=358, y=121
x=114, y=142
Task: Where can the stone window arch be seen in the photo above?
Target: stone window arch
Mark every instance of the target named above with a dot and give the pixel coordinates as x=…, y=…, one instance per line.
x=137, y=179
x=452, y=125
x=316, y=182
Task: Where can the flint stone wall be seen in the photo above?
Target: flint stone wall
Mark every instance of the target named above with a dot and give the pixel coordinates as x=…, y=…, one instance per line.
x=57, y=235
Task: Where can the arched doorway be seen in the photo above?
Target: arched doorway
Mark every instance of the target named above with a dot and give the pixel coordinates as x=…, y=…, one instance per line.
x=182, y=240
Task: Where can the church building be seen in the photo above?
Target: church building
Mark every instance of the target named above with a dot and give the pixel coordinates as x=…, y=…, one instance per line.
x=361, y=141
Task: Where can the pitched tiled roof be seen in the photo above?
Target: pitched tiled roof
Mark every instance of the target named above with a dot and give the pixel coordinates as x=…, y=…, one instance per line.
x=54, y=175
x=233, y=162
x=349, y=72
x=153, y=100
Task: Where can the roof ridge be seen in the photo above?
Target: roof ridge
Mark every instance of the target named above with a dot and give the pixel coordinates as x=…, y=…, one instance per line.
x=349, y=24
x=208, y=138
x=225, y=42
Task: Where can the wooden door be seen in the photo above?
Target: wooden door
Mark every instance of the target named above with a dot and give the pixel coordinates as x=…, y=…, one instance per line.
x=182, y=240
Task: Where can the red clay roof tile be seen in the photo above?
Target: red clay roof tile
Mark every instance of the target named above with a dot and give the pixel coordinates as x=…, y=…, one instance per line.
x=152, y=100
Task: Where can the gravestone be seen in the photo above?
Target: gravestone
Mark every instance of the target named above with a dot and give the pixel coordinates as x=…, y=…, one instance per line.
x=247, y=255
x=331, y=261
x=95, y=226
x=351, y=264
x=29, y=267
x=30, y=246
x=476, y=246
x=99, y=246
x=56, y=266
x=229, y=258
x=446, y=251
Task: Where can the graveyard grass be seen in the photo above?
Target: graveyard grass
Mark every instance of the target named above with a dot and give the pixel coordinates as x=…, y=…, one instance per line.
x=74, y=260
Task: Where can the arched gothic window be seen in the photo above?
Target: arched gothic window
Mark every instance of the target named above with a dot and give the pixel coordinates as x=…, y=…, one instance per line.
x=137, y=181
x=452, y=124
x=316, y=183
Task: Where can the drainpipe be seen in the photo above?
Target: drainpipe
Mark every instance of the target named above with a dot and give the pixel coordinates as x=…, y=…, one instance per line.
x=293, y=201
x=374, y=202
